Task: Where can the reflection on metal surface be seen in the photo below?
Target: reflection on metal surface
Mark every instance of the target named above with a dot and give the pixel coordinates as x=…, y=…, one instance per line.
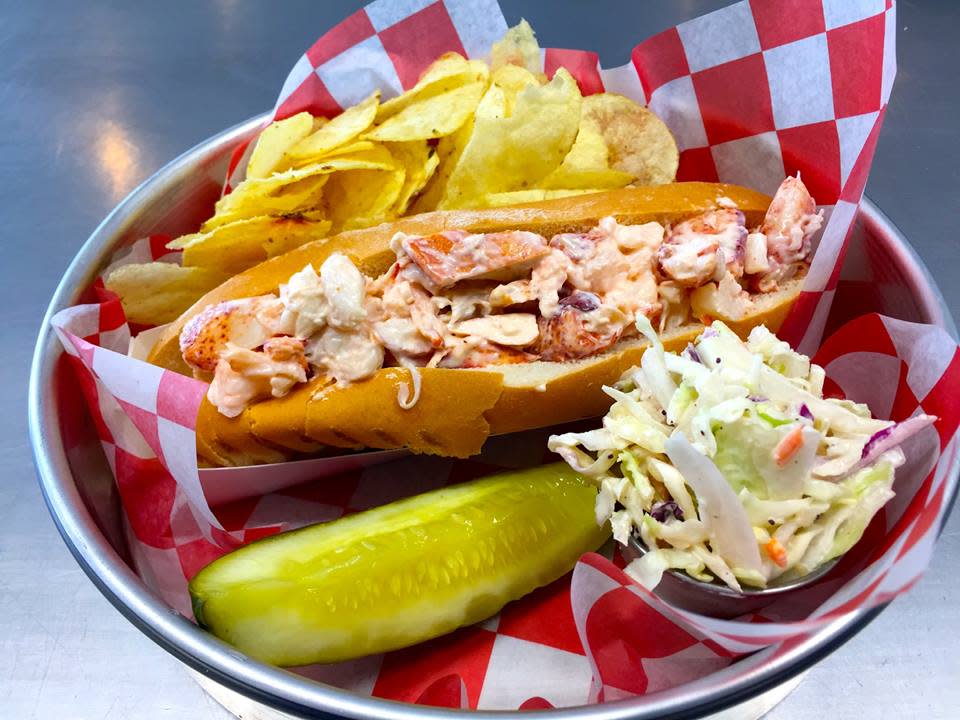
x=227, y=12
x=249, y=709
x=757, y=707
x=227, y=8
x=117, y=156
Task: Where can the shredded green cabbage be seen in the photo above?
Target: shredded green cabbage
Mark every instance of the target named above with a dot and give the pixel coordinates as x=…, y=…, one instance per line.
x=768, y=463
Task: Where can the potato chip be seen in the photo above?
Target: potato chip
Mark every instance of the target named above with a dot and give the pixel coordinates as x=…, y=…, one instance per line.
x=451, y=147
x=360, y=198
x=493, y=104
x=431, y=118
x=158, y=292
x=274, y=142
x=519, y=197
x=420, y=161
x=353, y=148
x=447, y=66
x=516, y=152
x=339, y=131
x=448, y=151
x=565, y=178
x=297, y=197
x=433, y=162
x=251, y=193
x=240, y=245
x=514, y=78
x=279, y=243
x=585, y=166
x=638, y=141
x=448, y=72
x=517, y=47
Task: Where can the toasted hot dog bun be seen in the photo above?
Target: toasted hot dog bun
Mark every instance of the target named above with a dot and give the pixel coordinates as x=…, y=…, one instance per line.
x=459, y=408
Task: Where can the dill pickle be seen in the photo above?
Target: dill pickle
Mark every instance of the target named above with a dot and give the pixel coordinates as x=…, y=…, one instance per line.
x=401, y=573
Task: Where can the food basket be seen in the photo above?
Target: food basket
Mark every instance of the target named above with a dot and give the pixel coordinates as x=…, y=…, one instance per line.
x=882, y=274
x=142, y=537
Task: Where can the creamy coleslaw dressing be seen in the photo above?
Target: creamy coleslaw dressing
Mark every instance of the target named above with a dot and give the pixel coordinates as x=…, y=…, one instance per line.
x=728, y=463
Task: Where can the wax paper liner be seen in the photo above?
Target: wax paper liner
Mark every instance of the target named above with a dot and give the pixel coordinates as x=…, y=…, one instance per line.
x=752, y=92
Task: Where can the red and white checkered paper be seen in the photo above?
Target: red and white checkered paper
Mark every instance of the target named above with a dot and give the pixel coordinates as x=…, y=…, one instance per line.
x=753, y=92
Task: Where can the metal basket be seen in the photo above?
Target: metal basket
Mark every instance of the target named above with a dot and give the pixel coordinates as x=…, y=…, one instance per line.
x=81, y=495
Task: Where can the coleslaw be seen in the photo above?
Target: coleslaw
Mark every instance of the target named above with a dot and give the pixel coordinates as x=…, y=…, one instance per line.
x=729, y=464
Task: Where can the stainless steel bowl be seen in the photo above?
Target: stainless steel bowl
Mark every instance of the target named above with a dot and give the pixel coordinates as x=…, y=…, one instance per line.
x=81, y=496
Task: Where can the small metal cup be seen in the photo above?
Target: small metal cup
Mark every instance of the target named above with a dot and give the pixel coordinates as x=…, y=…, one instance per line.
x=718, y=600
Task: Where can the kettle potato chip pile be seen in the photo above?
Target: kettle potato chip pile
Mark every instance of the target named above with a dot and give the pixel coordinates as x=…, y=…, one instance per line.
x=468, y=135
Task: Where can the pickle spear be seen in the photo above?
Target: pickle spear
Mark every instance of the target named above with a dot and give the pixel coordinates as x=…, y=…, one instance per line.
x=401, y=573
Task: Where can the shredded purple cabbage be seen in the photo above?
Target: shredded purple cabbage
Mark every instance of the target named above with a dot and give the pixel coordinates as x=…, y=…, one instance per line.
x=756, y=398
x=805, y=412
x=890, y=438
x=874, y=439
x=692, y=354
x=709, y=333
x=668, y=508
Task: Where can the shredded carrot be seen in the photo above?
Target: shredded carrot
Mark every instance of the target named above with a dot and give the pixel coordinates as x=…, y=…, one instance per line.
x=777, y=552
x=788, y=446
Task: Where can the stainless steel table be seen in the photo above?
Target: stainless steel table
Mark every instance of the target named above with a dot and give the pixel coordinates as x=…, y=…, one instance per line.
x=94, y=97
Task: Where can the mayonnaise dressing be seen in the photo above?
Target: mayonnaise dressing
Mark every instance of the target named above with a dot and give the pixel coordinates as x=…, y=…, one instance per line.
x=409, y=395
x=345, y=355
x=243, y=376
x=304, y=302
